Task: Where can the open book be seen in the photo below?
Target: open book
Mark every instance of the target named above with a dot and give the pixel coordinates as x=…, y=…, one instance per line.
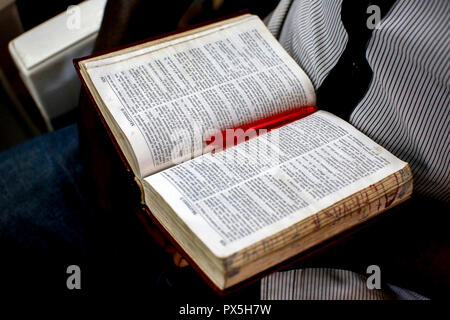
x=240, y=211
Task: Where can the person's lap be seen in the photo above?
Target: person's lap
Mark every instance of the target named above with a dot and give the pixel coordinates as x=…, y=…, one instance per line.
x=47, y=223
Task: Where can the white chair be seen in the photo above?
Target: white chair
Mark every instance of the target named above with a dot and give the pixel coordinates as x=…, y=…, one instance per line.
x=45, y=53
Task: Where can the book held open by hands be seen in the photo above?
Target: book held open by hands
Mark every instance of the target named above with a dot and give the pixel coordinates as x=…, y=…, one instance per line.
x=240, y=211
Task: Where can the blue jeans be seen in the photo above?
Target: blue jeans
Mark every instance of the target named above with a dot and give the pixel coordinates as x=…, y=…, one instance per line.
x=40, y=202
x=47, y=223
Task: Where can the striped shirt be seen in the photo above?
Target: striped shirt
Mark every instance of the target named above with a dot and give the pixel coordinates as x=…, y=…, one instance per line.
x=405, y=107
x=328, y=284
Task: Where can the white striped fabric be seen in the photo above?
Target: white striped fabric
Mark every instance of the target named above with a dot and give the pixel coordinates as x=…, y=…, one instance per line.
x=275, y=20
x=407, y=107
x=313, y=34
x=397, y=293
x=327, y=284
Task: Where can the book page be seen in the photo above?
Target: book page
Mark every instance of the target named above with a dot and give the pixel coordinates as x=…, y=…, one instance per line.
x=167, y=101
x=234, y=198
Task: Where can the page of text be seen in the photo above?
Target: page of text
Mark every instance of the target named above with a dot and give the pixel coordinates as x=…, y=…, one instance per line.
x=167, y=101
x=234, y=198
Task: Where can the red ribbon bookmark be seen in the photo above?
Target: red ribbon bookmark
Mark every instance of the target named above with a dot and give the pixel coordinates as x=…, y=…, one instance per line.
x=231, y=137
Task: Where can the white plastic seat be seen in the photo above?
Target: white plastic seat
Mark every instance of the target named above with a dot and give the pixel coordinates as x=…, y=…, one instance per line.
x=45, y=53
